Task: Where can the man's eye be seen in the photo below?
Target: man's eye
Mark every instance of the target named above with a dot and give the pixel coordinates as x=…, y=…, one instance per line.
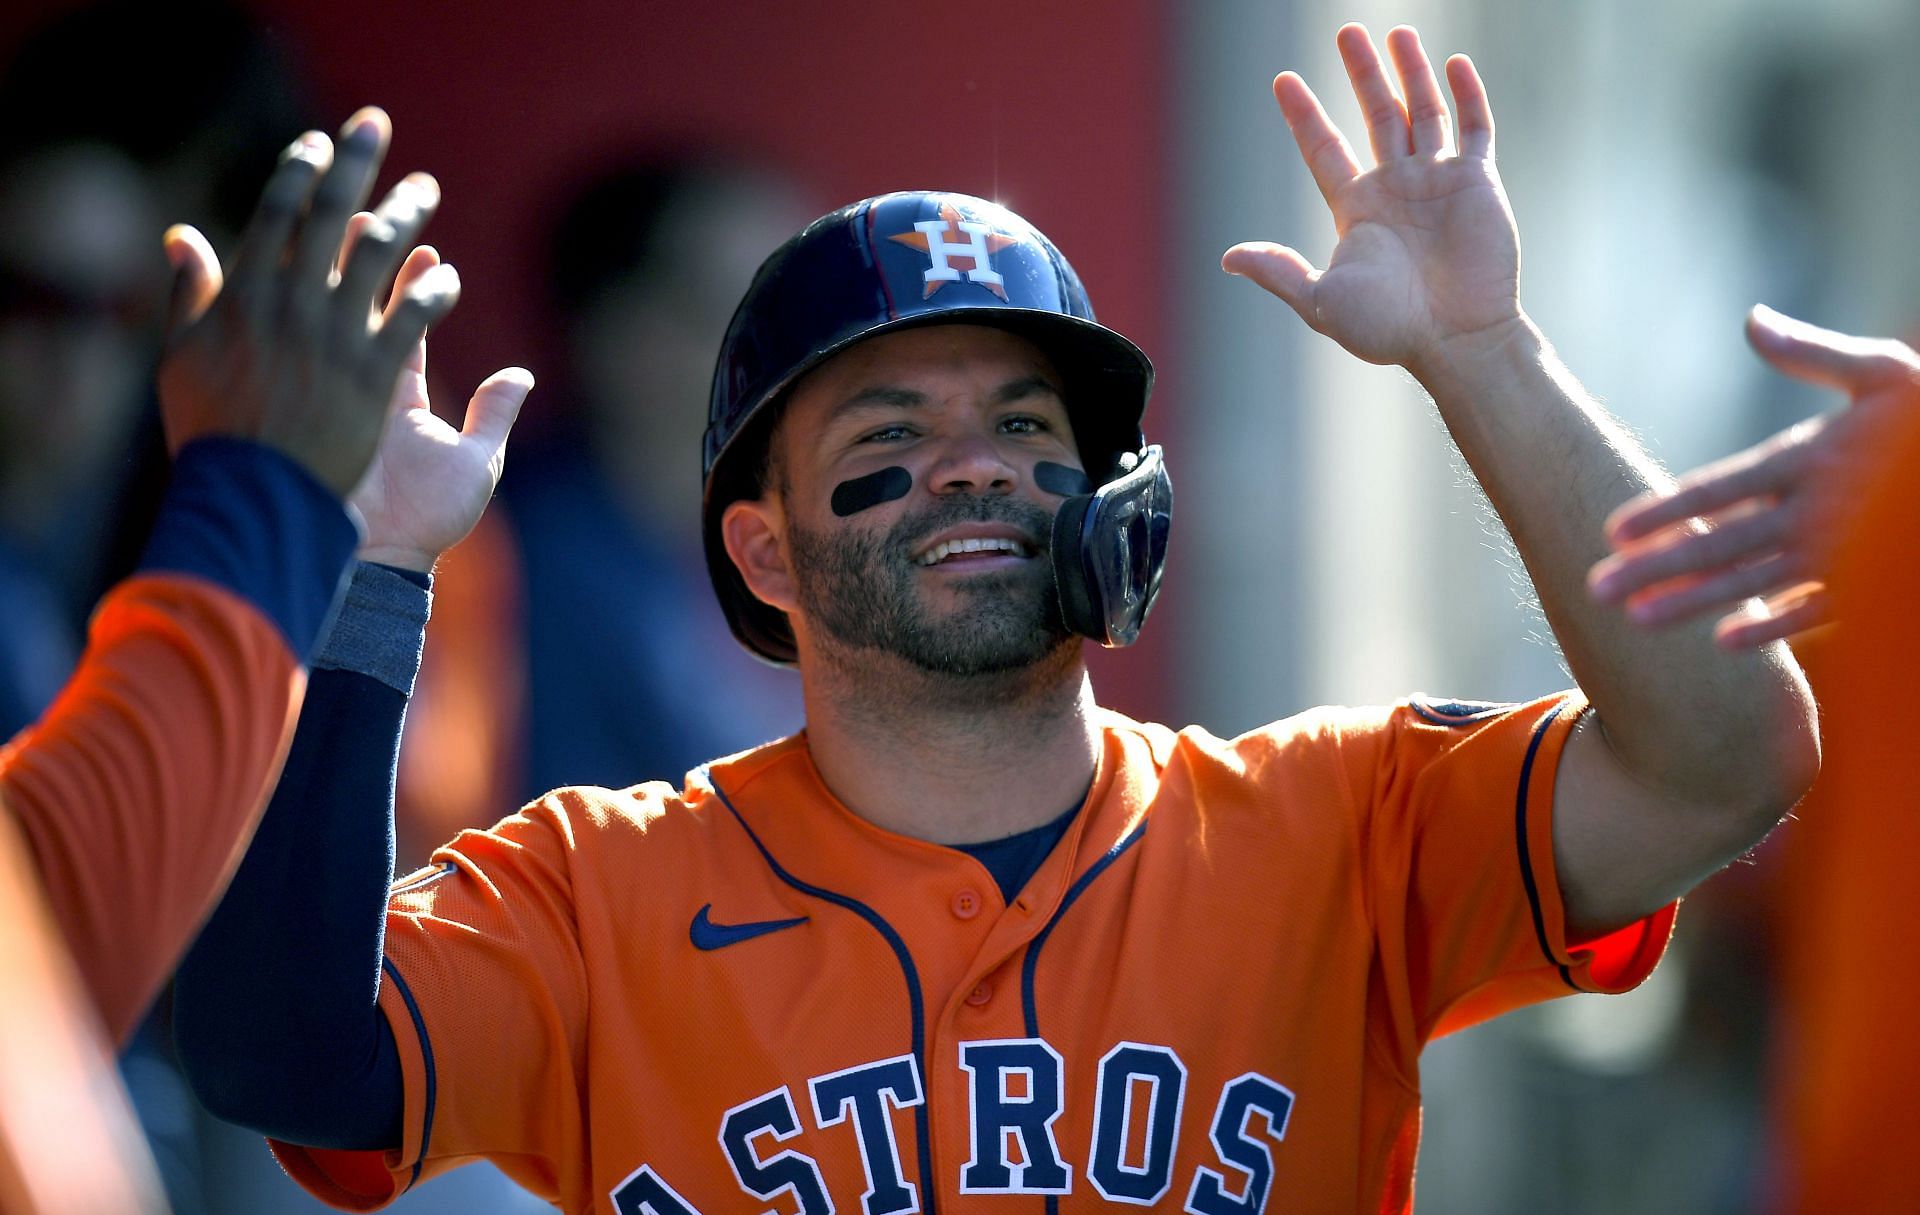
x=886, y=434
x=1025, y=425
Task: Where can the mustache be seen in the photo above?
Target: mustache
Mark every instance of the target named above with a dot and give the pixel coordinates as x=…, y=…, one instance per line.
x=911, y=529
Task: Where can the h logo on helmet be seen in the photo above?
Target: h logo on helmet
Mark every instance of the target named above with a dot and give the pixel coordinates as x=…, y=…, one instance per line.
x=930, y=237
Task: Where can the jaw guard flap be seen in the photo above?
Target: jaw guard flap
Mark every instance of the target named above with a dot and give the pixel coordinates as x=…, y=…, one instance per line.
x=1109, y=547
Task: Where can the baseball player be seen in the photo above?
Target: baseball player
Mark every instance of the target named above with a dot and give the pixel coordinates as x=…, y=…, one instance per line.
x=972, y=942
x=1827, y=502
x=123, y=810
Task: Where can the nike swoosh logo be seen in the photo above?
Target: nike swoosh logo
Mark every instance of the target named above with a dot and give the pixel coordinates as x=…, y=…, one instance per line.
x=705, y=934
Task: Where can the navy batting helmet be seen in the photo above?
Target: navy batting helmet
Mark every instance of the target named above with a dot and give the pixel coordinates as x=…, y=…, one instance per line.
x=924, y=258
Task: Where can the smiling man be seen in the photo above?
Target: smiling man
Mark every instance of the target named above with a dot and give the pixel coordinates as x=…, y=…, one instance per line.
x=858, y=425
x=917, y=476
x=972, y=942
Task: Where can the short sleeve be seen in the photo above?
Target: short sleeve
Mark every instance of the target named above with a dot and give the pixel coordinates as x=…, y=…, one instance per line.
x=1457, y=840
x=484, y=988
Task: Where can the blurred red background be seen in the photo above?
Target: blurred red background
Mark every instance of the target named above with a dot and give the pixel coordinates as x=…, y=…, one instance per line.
x=1054, y=107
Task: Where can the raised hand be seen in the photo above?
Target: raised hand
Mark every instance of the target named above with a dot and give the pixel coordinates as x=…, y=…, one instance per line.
x=1428, y=252
x=280, y=350
x=1753, y=536
x=429, y=483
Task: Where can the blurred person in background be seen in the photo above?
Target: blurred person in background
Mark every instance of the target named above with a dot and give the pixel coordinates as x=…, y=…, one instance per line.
x=83, y=188
x=80, y=275
x=648, y=264
x=535, y=675
x=1810, y=535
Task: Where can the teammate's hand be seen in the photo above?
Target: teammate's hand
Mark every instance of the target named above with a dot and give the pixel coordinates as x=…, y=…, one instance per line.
x=280, y=350
x=429, y=483
x=1428, y=252
x=1753, y=536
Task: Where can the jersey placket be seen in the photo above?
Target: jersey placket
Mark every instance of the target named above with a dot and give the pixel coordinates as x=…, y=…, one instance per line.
x=983, y=1006
x=988, y=1004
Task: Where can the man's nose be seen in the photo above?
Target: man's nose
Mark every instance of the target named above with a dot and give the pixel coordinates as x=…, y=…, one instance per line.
x=971, y=464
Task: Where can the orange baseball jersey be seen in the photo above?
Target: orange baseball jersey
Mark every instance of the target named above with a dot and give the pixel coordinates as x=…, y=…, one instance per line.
x=1211, y=996
x=137, y=791
x=1848, y=1066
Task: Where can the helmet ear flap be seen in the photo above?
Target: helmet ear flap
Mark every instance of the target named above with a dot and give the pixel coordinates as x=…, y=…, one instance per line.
x=1109, y=548
x=1069, y=568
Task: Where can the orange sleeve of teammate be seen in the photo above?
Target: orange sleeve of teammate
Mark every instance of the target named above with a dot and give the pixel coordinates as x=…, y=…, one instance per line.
x=1462, y=888
x=499, y=1071
x=138, y=789
x=135, y=790
x=1847, y=1060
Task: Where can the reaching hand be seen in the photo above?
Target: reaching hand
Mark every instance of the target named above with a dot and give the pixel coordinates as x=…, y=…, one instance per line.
x=280, y=351
x=1764, y=523
x=1428, y=252
x=429, y=483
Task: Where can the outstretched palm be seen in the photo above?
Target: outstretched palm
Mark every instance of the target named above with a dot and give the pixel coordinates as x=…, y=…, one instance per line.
x=1428, y=252
x=1778, y=510
x=429, y=483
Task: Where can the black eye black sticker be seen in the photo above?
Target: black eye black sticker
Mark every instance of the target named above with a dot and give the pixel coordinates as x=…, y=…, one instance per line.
x=1061, y=479
x=864, y=493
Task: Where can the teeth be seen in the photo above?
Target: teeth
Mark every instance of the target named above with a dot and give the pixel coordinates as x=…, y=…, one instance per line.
x=946, y=548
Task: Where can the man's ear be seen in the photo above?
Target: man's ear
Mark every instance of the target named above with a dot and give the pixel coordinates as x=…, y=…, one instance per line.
x=752, y=529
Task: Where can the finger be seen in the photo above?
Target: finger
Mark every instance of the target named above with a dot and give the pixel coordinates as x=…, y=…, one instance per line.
x=1714, y=592
x=1768, y=470
x=1426, y=108
x=1321, y=145
x=381, y=242
x=1824, y=356
x=196, y=278
x=363, y=141
x=1764, y=532
x=264, y=243
x=1799, y=609
x=493, y=409
x=431, y=297
x=1472, y=109
x=1380, y=106
x=421, y=260
x=1280, y=270
x=355, y=227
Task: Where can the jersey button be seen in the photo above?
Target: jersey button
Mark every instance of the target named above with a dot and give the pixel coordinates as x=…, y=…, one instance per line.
x=981, y=993
x=966, y=904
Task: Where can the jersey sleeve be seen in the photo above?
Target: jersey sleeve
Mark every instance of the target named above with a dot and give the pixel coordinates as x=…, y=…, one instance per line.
x=136, y=791
x=484, y=988
x=1457, y=841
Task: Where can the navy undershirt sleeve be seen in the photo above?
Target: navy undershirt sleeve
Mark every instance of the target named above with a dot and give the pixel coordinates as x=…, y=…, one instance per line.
x=249, y=518
x=275, y=1014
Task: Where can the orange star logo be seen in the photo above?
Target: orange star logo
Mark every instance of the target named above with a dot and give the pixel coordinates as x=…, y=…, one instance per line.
x=974, y=245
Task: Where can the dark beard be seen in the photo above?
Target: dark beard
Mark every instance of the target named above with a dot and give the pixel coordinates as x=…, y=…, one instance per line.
x=858, y=590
